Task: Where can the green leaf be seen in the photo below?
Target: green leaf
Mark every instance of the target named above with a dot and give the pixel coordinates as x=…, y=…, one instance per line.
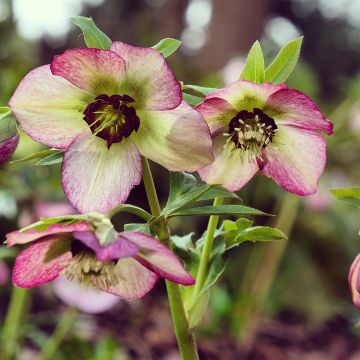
x=215, y=191
x=284, y=63
x=180, y=182
x=256, y=233
x=351, y=195
x=39, y=155
x=254, y=69
x=199, y=89
x=55, y=158
x=238, y=225
x=167, y=46
x=185, y=190
x=192, y=99
x=183, y=242
x=94, y=37
x=198, y=309
x=144, y=228
x=219, y=210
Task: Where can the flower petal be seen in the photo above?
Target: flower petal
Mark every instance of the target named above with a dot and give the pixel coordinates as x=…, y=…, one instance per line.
x=96, y=178
x=217, y=113
x=159, y=258
x=41, y=262
x=113, y=251
x=232, y=168
x=245, y=95
x=177, y=139
x=149, y=79
x=24, y=237
x=135, y=280
x=295, y=160
x=94, y=70
x=73, y=294
x=8, y=147
x=292, y=107
x=49, y=108
x=354, y=280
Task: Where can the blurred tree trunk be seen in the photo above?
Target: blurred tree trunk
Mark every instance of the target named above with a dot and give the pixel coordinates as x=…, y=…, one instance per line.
x=235, y=25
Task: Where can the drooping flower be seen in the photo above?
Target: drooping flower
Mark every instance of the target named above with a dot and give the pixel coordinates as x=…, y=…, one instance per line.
x=125, y=264
x=354, y=281
x=267, y=128
x=106, y=108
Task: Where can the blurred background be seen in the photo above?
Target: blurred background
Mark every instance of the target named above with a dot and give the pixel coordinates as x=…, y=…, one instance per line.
x=274, y=301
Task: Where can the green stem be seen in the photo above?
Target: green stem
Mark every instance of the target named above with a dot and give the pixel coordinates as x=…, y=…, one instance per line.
x=185, y=336
x=66, y=322
x=206, y=251
x=13, y=324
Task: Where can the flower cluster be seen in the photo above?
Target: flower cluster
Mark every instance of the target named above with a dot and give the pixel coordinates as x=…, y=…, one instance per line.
x=108, y=108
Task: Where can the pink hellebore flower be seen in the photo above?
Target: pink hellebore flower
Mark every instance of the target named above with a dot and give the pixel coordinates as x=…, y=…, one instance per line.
x=354, y=281
x=105, y=108
x=265, y=127
x=127, y=266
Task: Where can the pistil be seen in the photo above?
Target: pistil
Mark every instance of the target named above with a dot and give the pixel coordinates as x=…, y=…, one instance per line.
x=111, y=118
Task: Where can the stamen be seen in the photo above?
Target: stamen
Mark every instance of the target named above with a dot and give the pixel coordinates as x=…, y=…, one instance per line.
x=111, y=118
x=250, y=132
x=87, y=270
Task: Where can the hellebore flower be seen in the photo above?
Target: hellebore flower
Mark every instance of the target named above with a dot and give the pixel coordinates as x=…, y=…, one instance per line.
x=354, y=281
x=105, y=108
x=265, y=127
x=9, y=136
x=127, y=264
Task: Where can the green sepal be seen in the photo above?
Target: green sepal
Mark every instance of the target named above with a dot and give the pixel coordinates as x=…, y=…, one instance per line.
x=103, y=227
x=93, y=36
x=350, y=195
x=167, y=46
x=284, y=63
x=254, y=69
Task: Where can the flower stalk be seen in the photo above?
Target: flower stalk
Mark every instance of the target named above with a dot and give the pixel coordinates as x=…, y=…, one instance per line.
x=11, y=334
x=206, y=251
x=184, y=335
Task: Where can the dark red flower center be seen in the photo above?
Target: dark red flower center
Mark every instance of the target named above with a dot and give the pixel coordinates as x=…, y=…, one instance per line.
x=250, y=130
x=111, y=118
